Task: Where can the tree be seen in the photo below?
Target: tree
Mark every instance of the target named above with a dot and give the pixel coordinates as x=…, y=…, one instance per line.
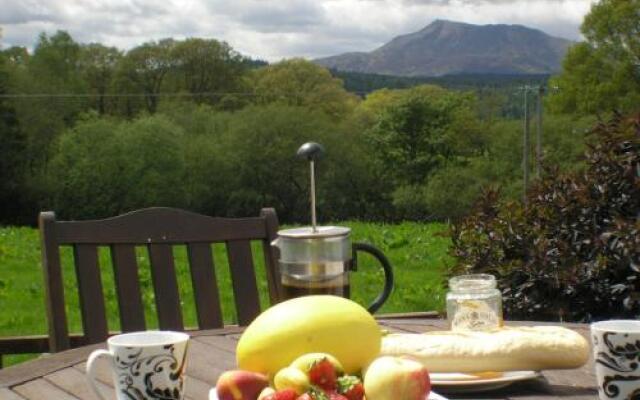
x=602, y=74
x=12, y=152
x=421, y=131
x=261, y=144
x=103, y=167
x=98, y=64
x=16, y=55
x=52, y=76
x=614, y=26
x=206, y=65
x=298, y=82
x=144, y=68
x=418, y=132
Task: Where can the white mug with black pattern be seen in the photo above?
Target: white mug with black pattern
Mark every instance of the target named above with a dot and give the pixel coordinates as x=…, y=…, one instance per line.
x=146, y=365
x=616, y=351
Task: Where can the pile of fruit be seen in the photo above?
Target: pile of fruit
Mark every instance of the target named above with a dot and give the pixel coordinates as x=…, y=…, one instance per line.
x=313, y=376
x=320, y=376
x=319, y=348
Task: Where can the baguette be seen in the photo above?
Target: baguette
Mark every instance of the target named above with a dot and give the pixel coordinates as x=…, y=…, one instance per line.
x=505, y=349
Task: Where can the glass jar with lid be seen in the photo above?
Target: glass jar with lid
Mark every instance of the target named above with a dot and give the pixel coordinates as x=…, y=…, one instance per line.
x=474, y=303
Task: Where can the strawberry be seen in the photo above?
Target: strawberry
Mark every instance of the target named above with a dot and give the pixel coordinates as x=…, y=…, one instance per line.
x=351, y=387
x=336, y=396
x=323, y=374
x=285, y=394
x=314, y=393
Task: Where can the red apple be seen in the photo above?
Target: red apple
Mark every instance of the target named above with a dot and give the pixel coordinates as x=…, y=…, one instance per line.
x=396, y=378
x=240, y=385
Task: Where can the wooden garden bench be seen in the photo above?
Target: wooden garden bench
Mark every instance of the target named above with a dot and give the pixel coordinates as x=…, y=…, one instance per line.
x=158, y=230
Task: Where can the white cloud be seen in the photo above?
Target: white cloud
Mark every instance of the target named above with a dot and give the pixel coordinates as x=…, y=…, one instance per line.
x=273, y=29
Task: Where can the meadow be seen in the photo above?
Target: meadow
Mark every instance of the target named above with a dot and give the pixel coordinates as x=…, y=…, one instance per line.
x=418, y=252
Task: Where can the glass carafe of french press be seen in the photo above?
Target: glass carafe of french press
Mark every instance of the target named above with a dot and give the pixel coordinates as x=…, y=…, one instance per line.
x=318, y=259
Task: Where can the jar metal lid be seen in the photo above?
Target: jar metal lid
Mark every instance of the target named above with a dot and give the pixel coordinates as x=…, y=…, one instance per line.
x=308, y=233
x=473, y=282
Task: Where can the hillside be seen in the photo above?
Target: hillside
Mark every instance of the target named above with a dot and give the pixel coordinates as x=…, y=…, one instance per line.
x=448, y=48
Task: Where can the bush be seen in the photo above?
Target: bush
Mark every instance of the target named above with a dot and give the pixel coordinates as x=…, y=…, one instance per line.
x=260, y=147
x=573, y=252
x=103, y=167
x=451, y=192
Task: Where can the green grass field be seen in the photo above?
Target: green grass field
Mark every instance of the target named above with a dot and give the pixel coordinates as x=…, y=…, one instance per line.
x=418, y=253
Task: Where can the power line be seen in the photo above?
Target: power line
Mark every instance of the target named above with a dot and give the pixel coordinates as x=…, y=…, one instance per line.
x=71, y=95
x=88, y=95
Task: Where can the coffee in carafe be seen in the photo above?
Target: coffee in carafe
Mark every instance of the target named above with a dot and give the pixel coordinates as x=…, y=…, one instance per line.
x=314, y=262
x=292, y=287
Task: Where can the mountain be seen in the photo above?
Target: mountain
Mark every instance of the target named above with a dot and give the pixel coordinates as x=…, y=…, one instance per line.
x=447, y=47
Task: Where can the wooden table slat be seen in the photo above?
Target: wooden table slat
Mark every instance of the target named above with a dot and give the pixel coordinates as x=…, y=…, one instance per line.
x=6, y=394
x=44, y=365
x=223, y=343
x=41, y=389
x=74, y=381
x=206, y=364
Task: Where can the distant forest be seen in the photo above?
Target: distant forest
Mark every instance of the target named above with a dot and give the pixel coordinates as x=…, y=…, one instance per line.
x=366, y=83
x=486, y=86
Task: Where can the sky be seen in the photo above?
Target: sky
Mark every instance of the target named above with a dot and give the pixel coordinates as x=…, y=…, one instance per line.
x=273, y=29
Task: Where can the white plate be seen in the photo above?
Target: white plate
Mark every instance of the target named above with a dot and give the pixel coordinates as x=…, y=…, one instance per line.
x=466, y=383
x=213, y=395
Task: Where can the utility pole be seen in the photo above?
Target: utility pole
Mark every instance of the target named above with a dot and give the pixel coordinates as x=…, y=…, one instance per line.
x=525, y=145
x=539, y=132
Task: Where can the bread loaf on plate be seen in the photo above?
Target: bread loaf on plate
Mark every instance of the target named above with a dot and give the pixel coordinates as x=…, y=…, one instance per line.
x=505, y=349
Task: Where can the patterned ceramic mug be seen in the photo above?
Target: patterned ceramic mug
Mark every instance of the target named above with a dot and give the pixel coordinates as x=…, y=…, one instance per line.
x=145, y=365
x=616, y=348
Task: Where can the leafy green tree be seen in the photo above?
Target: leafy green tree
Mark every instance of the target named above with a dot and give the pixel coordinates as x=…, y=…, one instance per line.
x=298, y=82
x=261, y=144
x=260, y=147
x=451, y=191
x=603, y=73
x=208, y=176
x=17, y=56
x=50, y=78
x=12, y=153
x=103, y=167
x=422, y=131
x=143, y=70
x=204, y=66
x=98, y=65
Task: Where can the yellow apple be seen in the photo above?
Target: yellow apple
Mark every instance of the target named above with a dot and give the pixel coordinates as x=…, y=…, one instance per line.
x=396, y=378
x=291, y=378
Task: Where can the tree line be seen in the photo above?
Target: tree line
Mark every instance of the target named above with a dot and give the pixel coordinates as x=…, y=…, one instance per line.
x=91, y=131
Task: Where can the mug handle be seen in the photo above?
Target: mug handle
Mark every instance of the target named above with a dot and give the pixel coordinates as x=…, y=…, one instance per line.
x=91, y=372
x=386, y=266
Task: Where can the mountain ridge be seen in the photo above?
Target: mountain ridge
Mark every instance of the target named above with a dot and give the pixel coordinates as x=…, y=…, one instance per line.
x=448, y=47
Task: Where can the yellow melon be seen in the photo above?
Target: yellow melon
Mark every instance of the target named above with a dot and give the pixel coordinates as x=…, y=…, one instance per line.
x=309, y=324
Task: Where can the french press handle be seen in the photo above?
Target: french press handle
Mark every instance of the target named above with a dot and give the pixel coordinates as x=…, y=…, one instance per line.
x=386, y=266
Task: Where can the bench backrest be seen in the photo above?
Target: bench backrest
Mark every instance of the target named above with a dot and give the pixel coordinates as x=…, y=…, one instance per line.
x=158, y=229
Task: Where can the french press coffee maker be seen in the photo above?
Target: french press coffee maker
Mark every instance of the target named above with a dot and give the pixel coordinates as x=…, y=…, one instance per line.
x=318, y=259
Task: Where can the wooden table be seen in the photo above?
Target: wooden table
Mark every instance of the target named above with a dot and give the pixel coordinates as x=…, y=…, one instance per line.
x=62, y=375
